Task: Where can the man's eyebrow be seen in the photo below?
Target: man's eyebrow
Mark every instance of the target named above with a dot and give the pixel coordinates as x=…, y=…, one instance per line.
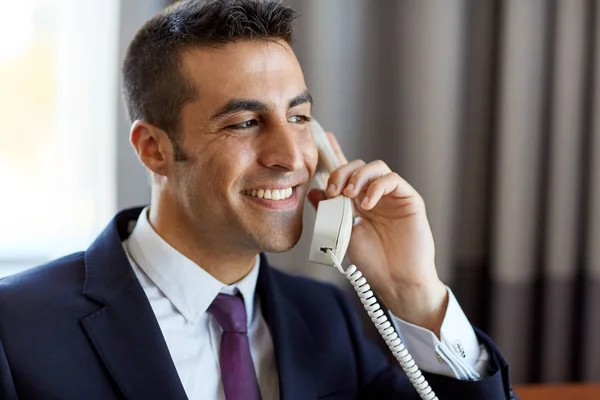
x=302, y=98
x=236, y=105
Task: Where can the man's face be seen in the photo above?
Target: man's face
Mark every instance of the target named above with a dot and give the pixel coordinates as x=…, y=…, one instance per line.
x=247, y=134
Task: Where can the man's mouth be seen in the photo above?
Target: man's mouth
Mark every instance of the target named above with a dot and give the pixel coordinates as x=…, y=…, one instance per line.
x=270, y=194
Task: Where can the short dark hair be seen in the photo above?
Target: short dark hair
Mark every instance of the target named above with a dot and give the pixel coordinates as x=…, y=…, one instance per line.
x=155, y=88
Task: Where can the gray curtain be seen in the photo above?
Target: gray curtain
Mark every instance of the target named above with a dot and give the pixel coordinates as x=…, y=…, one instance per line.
x=491, y=109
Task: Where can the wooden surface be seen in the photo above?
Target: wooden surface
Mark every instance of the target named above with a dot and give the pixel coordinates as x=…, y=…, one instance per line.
x=556, y=392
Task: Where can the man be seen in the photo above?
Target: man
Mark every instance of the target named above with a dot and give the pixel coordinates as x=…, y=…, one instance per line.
x=175, y=300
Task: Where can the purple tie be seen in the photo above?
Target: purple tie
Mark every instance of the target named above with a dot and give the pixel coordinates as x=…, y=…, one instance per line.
x=237, y=370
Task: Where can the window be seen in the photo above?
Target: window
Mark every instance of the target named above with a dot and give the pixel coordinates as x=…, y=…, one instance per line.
x=58, y=104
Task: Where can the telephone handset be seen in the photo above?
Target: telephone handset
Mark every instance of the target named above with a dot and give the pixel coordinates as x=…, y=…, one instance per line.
x=333, y=228
x=335, y=216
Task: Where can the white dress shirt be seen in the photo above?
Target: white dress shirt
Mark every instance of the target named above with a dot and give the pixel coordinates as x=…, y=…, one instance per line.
x=180, y=293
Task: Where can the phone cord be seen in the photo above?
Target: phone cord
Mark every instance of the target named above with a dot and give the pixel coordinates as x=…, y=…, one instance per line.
x=385, y=328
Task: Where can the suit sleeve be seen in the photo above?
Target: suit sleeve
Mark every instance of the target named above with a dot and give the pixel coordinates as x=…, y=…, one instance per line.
x=7, y=387
x=378, y=379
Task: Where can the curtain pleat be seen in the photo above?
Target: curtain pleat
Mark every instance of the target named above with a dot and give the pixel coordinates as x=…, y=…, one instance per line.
x=564, y=169
x=516, y=192
x=590, y=350
x=475, y=158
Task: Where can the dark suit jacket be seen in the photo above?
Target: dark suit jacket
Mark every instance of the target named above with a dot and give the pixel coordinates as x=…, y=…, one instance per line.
x=81, y=327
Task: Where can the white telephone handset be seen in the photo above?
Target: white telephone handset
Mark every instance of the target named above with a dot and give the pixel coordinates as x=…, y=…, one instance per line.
x=333, y=227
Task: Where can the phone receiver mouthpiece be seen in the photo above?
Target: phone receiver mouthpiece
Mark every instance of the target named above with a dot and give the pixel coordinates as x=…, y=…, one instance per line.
x=333, y=227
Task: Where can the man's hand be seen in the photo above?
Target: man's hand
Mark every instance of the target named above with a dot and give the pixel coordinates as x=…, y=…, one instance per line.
x=391, y=240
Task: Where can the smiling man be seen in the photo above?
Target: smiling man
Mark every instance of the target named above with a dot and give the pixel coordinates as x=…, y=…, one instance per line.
x=175, y=300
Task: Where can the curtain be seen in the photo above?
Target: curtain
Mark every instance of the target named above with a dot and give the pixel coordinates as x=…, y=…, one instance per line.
x=491, y=110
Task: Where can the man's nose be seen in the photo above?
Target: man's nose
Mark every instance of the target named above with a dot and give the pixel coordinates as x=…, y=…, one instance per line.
x=283, y=148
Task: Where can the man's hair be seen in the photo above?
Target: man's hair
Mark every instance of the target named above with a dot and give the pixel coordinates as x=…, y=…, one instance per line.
x=155, y=88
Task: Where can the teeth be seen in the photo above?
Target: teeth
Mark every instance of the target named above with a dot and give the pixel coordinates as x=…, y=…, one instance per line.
x=270, y=194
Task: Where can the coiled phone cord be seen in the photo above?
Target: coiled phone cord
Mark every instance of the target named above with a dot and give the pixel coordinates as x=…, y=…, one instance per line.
x=385, y=328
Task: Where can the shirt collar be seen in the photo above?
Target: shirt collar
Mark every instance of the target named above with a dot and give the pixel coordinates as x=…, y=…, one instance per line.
x=188, y=287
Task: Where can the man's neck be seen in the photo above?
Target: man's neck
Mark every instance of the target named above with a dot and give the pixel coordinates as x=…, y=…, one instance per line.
x=223, y=264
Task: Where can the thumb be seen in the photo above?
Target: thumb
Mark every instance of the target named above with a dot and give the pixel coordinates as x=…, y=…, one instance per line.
x=315, y=196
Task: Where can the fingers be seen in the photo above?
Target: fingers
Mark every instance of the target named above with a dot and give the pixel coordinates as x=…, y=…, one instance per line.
x=352, y=178
x=373, y=180
x=338, y=180
x=389, y=184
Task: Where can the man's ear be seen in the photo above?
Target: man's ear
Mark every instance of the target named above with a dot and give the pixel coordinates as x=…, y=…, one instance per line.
x=152, y=146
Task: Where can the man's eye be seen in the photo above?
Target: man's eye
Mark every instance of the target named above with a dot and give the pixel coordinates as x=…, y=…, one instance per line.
x=244, y=125
x=299, y=119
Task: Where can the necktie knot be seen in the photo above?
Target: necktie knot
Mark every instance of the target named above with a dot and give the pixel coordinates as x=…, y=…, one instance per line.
x=230, y=313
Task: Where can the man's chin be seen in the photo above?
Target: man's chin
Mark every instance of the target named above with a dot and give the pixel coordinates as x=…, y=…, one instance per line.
x=279, y=246
x=279, y=243
x=278, y=249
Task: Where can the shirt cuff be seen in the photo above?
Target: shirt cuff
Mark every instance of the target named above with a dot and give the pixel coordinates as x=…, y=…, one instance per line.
x=458, y=354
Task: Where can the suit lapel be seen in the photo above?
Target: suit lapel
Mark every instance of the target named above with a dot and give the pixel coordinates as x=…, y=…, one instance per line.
x=124, y=331
x=297, y=363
